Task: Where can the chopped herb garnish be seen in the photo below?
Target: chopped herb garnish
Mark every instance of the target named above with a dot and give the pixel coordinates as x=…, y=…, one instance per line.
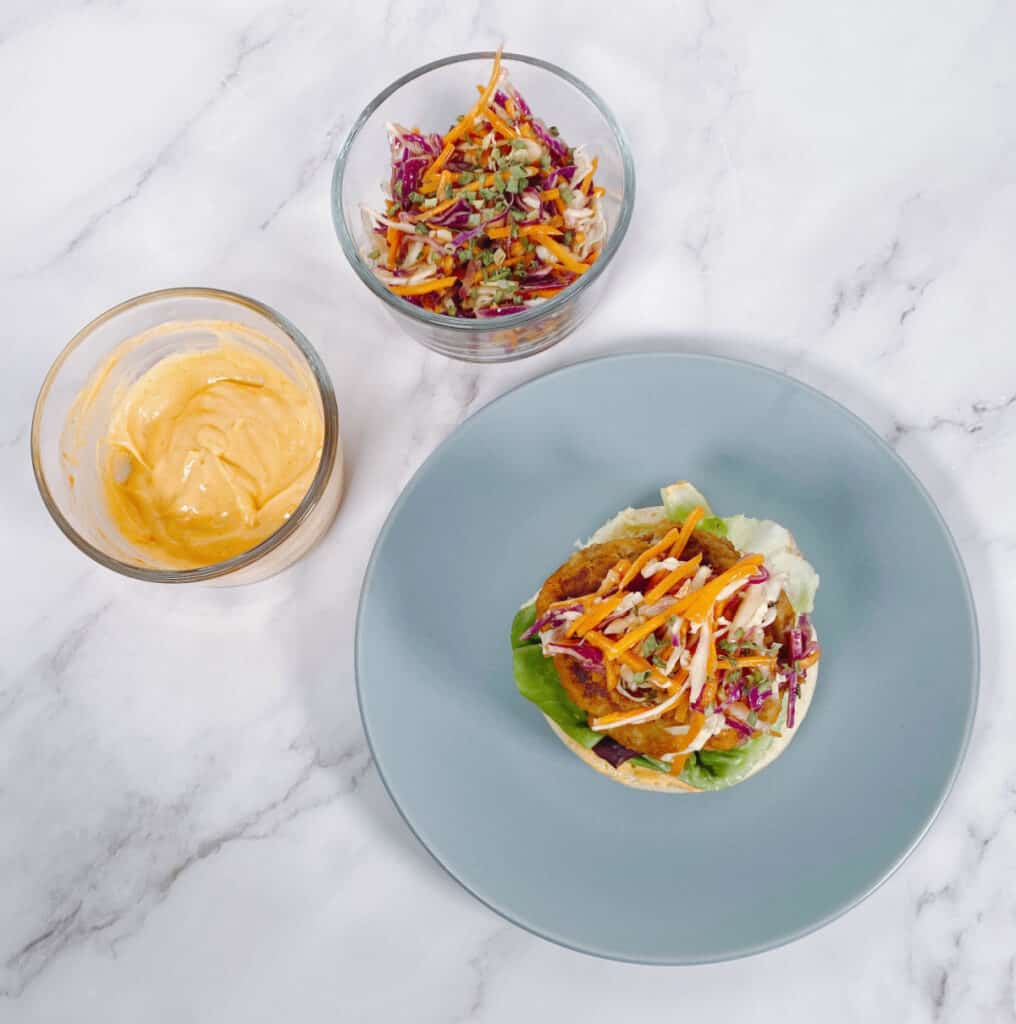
x=567, y=194
x=554, y=131
x=421, y=229
x=373, y=254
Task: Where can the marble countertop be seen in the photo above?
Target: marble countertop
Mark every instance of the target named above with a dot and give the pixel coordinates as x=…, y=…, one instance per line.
x=186, y=835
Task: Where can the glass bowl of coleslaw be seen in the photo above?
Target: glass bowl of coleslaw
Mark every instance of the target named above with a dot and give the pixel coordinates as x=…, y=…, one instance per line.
x=482, y=198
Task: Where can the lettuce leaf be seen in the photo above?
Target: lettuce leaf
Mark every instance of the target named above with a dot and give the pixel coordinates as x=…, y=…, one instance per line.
x=524, y=618
x=537, y=680
x=717, y=769
x=714, y=524
x=764, y=537
x=680, y=498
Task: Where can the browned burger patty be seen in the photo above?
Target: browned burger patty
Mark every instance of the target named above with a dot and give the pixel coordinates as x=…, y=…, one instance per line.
x=582, y=574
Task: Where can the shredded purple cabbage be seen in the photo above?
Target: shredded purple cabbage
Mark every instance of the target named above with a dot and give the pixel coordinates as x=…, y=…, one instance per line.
x=796, y=644
x=586, y=655
x=735, y=723
x=557, y=148
x=613, y=753
x=756, y=698
x=567, y=172
x=455, y=217
x=549, y=620
x=791, y=697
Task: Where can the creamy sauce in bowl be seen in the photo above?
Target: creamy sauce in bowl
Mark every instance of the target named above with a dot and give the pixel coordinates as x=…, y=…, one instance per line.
x=208, y=451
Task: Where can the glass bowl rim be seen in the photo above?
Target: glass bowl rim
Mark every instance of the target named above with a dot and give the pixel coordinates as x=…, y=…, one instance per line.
x=307, y=505
x=467, y=326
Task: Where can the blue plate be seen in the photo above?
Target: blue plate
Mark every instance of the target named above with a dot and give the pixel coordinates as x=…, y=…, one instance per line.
x=567, y=853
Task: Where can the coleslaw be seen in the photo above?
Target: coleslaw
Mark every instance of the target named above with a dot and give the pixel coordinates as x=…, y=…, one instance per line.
x=496, y=216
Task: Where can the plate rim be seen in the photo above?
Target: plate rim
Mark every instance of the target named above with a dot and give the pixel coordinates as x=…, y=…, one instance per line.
x=975, y=665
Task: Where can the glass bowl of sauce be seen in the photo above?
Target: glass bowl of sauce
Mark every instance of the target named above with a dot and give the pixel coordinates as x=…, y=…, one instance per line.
x=189, y=436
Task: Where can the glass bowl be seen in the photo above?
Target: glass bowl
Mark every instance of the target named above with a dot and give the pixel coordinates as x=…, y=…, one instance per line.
x=431, y=98
x=160, y=324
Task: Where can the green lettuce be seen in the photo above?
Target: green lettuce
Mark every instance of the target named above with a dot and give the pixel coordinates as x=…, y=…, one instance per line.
x=537, y=680
x=717, y=769
x=713, y=524
x=680, y=498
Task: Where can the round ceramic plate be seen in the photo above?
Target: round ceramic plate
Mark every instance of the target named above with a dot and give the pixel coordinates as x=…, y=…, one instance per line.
x=569, y=854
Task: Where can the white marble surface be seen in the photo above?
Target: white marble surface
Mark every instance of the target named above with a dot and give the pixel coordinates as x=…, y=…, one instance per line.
x=190, y=825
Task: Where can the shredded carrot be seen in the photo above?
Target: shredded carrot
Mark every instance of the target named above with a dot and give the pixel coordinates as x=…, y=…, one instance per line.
x=587, y=180
x=550, y=193
x=434, y=285
x=699, y=603
x=683, y=571
x=641, y=632
x=711, y=659
x=434, y=211
x=749, y=661
x=559, y=203
x=691, y=520
x=447, y=264
x=393, y=236
x=599, y=192
x=537, y=229
x=499, y=232
x=594, y=616
x=467, y=121
x=677, y=765
x=498, y=125
x=526, y=130
x=509, y=107
x=440, y=160
x=613, y=675
x=647, y=556
x=565, y=256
